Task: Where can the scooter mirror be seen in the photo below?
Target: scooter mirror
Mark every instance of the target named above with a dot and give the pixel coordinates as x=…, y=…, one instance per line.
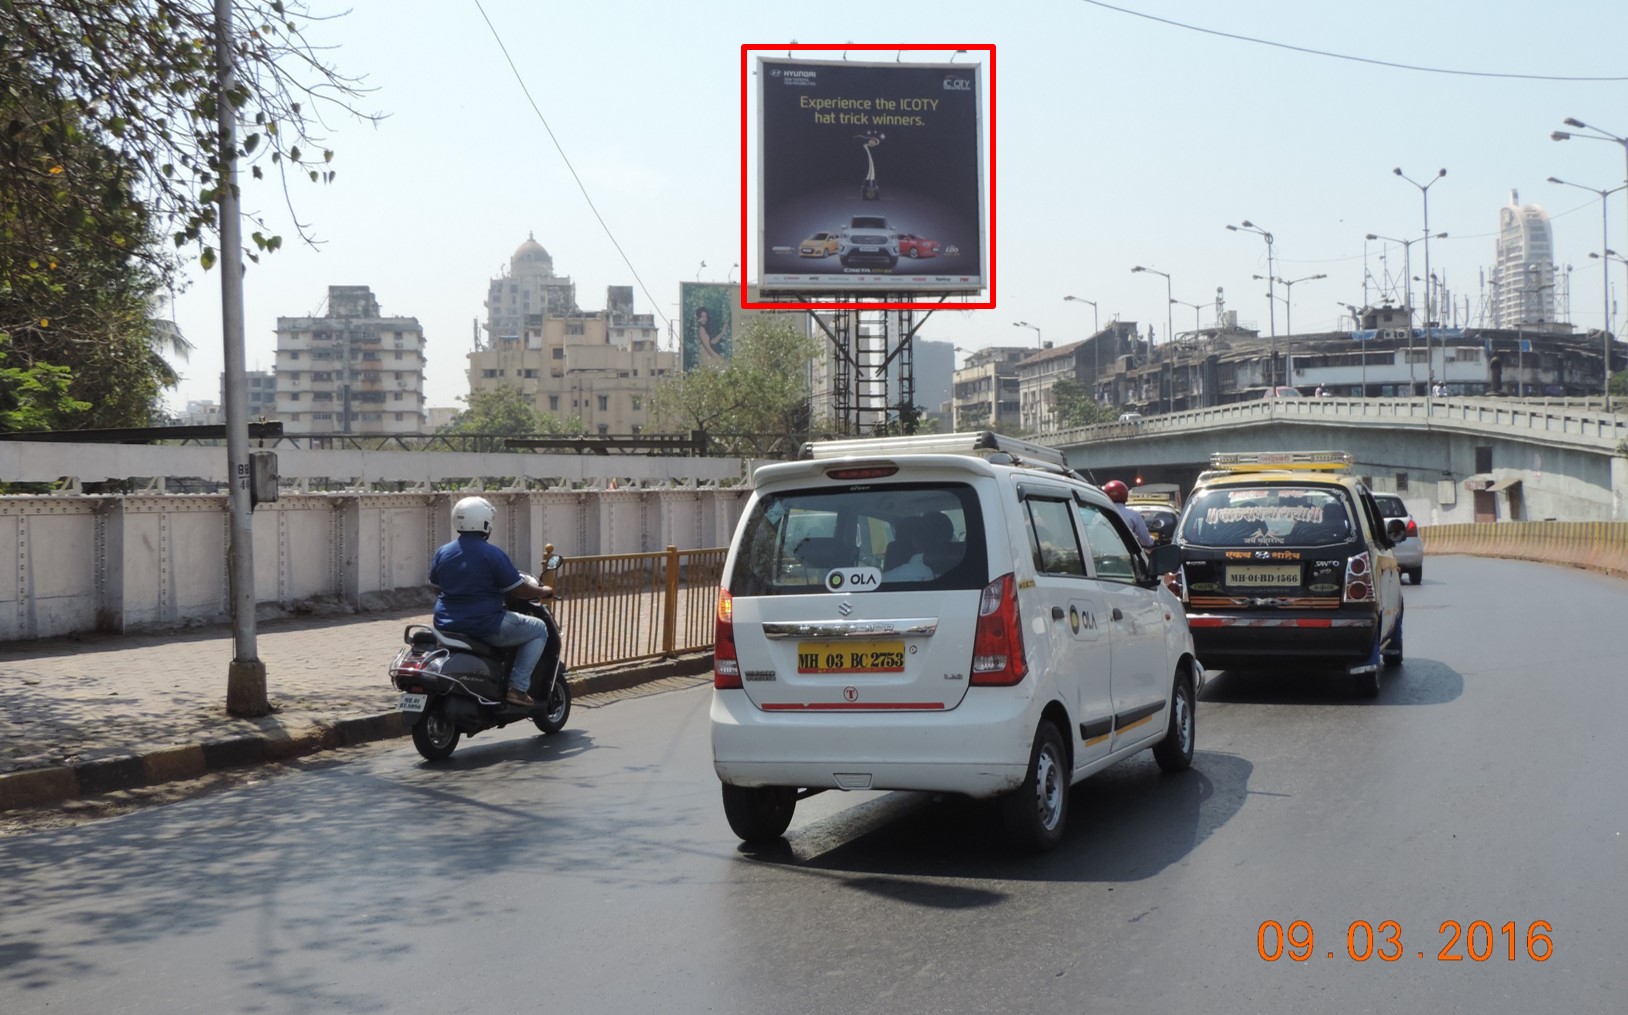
x=553, y=562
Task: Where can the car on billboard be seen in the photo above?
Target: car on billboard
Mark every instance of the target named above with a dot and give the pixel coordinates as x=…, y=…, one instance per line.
x=820, y=245
x=867, y=223
x=911, y=245
x=873, y=250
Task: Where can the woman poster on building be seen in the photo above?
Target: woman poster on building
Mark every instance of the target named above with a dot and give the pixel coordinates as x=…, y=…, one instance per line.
x=707, y=310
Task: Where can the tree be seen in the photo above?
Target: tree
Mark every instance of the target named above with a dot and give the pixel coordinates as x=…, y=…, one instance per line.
x=507, y=412
x=140, y=76
x=1075, y=406
x=757, y=402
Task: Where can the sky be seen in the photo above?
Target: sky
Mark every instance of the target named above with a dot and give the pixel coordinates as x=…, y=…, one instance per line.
x=1119, y=141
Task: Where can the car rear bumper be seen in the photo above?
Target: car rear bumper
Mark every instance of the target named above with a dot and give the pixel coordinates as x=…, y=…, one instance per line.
x=980, y=748
x=1271, y=640
x=1409, y=553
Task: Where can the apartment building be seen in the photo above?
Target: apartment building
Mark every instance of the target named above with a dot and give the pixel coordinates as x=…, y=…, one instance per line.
x=351, y=370
x=985, y=391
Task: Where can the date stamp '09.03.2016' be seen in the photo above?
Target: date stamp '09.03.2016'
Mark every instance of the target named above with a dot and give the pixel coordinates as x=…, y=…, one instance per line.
x=1478, y=940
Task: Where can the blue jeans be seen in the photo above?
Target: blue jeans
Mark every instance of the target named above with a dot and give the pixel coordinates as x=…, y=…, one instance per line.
x=531, y=634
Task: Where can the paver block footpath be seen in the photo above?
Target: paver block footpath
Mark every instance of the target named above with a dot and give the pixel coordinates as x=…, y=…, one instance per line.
x=82, y=716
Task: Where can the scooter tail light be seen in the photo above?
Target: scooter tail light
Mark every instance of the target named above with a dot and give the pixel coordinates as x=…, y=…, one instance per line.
x=726, y=667
x=997, y=643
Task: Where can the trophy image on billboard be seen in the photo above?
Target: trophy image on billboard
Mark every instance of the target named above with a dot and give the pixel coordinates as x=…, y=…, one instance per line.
x=868, y=190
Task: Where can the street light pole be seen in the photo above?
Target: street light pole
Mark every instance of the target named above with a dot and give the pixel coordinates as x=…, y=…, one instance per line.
x=1288, y=300
x=1407, y=293
x=1096, y=343
x=1430, y=332
x=1599, y=135
x=1025, y=324
x=1169, y=332
x=1605, y=284
x=1271, y=297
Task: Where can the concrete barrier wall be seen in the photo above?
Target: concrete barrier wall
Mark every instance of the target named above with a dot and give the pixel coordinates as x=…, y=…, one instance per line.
x=1598, y=546
x=117, y=563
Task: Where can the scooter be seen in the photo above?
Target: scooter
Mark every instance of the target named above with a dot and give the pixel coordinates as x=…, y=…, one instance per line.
x=453, y=685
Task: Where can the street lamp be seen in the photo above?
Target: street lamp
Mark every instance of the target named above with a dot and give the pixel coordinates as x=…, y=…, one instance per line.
x=1169, y=332
x=1196, y=308
x=1096, y=343
x=1424, y=193
x=1597, y=135
x=1271, y=301
x=1520, y=331
x=1605, y=287
x=1407, y=291
x=1288, y=299
x=1026, y=324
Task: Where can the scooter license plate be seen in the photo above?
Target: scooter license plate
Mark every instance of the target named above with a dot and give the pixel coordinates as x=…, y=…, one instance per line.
x=413, y=702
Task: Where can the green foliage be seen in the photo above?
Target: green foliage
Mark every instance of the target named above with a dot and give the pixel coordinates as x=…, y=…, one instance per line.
x=756, y=403
x=507, y=412
x=34, y=397
x=1076, y=407
x=139, y=78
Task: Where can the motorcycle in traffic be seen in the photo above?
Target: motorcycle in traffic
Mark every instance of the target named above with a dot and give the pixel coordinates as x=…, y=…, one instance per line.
x=453, y=685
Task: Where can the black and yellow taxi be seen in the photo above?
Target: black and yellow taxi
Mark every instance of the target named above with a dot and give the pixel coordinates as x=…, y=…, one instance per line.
x=1159, y=504
x=1284, y=561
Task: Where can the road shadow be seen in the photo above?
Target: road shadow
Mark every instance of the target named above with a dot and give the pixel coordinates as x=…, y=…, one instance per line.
x=1127, y=823
x=1415, y=682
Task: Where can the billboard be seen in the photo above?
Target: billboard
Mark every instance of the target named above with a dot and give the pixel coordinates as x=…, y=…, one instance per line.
x=707, y=311
x=870, y=177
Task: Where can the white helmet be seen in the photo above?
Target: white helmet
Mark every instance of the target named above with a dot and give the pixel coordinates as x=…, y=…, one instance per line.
x=473, y=514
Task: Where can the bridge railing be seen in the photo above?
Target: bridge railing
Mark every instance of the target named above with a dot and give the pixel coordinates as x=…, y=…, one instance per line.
x=1597, y=546
x=1575, y=425
x=623, y=607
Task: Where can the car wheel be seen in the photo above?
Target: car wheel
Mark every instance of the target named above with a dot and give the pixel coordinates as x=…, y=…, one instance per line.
x=914, y=253
x=1416, y=575
x=1175, y=752
x=1035, y=813
x=434, y=734
x=1392, y=652
x=759, y=814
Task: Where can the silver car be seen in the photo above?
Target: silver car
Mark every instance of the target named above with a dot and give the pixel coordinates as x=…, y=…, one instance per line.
x=1410, y=551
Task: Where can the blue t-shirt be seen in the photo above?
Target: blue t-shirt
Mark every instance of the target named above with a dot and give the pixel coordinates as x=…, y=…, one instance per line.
x=472, y=575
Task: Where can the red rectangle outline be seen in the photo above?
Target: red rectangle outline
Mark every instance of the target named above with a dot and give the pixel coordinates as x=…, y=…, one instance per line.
x=746, y=75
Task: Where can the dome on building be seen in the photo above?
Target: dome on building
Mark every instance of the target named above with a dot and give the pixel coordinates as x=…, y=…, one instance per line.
x=532, y=252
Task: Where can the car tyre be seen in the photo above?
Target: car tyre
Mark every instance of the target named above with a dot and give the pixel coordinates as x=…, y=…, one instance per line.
x=1392, y=652
x=1175, y=752
x=1416, y=574
x=435, y=735
x=914, y=253
x=759, y=814
x=1034, y=815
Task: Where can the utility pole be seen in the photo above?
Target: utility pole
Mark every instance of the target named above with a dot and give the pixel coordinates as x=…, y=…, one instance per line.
x=246, y=676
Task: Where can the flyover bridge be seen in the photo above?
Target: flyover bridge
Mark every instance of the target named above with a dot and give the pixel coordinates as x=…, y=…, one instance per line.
x=1452, y=459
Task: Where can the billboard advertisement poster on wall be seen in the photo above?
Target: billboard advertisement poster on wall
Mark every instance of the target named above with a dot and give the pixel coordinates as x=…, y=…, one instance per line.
x=708, y=314
x=870, y=176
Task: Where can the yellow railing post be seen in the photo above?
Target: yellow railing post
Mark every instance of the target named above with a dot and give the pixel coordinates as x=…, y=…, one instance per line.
x=669, y=604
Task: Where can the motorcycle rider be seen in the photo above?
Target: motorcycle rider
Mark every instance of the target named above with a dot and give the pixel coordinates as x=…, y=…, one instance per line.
x=1119, y=494
x=473, y=577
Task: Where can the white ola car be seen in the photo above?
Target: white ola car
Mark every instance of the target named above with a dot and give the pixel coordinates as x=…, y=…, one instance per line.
x=956, y=613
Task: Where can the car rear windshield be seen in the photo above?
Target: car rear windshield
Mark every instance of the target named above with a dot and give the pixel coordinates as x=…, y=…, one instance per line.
x=1391, y=507
x=921, y=536
x=1268, y=515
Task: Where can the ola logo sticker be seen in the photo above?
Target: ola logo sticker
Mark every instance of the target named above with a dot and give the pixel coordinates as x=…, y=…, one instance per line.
x=853, y=579
x=1074, y=617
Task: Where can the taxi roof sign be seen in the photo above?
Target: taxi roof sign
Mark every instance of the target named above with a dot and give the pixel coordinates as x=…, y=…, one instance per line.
x=1277, y=461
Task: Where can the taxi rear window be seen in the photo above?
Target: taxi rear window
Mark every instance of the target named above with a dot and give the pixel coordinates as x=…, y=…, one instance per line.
x=920, y=536
x=1268, y=515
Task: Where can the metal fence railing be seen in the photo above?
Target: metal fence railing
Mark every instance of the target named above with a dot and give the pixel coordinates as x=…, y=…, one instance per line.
x=623, y=607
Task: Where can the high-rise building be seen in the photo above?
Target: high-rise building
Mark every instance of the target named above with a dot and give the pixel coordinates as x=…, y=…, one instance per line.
x=596, y=366
x=352, y=370
x=262, y=393
x=1523, y=275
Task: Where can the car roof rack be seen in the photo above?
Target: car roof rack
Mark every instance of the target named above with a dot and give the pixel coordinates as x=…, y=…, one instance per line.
x=1281, y=461
x=984, y=443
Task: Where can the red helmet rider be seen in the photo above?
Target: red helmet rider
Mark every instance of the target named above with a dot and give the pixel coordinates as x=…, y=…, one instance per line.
x=1116, y=491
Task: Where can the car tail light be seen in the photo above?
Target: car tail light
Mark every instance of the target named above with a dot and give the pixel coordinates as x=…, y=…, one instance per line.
x=726, y=667
x=1413, y=528
x=997, y=645
x=1359, y=580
